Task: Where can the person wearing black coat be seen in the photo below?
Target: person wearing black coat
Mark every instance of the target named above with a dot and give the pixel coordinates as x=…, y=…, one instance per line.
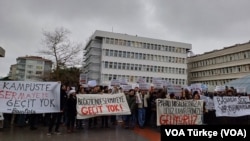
x=71, y=111
x=55, y=118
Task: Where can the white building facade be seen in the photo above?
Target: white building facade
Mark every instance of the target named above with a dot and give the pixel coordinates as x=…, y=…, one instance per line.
x=32, y=68
x=219, y=67
x=111, y=56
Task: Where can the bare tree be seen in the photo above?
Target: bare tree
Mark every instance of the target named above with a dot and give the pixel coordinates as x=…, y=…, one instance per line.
x=58, y=46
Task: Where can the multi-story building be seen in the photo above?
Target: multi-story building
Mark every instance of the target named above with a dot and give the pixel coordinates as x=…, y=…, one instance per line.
x=219, y=67
x=12, y=73
x=112, y=56
x=32, y=68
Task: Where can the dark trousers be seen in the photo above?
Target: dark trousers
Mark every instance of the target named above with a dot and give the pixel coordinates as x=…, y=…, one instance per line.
x=105, y=121
x=71, y=118
x=32, y=120
x=55, y=120
x=92, y=121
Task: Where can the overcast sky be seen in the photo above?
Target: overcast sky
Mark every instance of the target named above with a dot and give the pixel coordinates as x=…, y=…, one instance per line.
x=206, y=24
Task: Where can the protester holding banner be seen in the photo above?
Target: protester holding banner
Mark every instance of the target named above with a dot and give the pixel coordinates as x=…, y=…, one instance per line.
x=153, y=97
x=105, y=118
x=114, y=119
x=130, y=121
x=186, y=94
x=79, y=122
x=142, y=97
x=70, y=109
x=93, y=121
x=55, y=118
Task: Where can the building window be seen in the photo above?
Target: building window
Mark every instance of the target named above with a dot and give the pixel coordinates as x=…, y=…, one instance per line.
x=39, y=67
x=128, y=54
x=30, y=66
x=107, y=52
x=136, y=67
x=140, y=55
x=124, y=54
x=128, y=66
x=29, y=72
x=111, y=52
x=110, y=77
x=106, y=64
x=119, y=65
x=39, y=72
x=116, y=41
x=132, y=67
x=107, y=40
x=120, y=42
x=128, y=43
x=110, y=65
x=120, y=53
x=115, y=53
x=123, y=66
x=132, y=55
x=111, y=41
x=115, y=65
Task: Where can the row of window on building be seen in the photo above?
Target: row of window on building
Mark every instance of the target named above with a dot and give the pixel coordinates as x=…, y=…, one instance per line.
x=222, y=59
x=23, y=61
x=215, y=82
x=146, y=68
x=142, y=56
x=151, y=46
x=32, y=67
x=134, y=79
x=220, y=71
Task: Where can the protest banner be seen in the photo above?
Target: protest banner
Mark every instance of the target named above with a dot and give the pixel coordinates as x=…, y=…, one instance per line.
x=232, y=106
x=126, y=88
x=144, y=86
x=179, y=112
x=92, y=105
x=141, y=80
x=123, y=81
x=22, y=97
x=83, y=79
x=115, y=82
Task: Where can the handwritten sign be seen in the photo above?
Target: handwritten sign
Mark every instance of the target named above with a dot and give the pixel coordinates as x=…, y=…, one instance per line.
x=123, y=81
x=22, y=97
x=179, y=112
x=232, y=106
x=126, y=88
x=144, y=86
x=92, y=105
x=83, y=78
x=115, y=82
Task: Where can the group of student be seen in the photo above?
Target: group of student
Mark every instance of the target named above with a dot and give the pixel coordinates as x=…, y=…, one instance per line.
x=142, y=104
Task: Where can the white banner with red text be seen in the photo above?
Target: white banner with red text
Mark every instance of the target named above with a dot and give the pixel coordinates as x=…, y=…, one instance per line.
x=92, y=105
x=23, y=97
x=179, y=112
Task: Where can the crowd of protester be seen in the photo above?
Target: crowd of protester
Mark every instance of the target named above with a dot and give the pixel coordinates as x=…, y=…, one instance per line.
x=142, y=104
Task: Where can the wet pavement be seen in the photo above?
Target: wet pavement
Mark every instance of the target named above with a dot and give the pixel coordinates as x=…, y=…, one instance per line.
x=115, y=133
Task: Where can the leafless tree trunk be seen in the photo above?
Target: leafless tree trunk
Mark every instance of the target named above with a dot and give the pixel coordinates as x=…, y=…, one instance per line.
x=58, y=46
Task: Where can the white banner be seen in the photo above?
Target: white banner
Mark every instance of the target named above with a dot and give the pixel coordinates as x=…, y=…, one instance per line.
x=91, y=105
x=22, y=97
x=179, y=112
x=232, y=106
x=83, y=78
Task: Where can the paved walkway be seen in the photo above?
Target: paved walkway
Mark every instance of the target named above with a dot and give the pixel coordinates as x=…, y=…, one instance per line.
x=115, y=133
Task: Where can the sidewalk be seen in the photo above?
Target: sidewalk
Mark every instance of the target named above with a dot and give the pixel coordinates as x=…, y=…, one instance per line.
x=115, y=133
